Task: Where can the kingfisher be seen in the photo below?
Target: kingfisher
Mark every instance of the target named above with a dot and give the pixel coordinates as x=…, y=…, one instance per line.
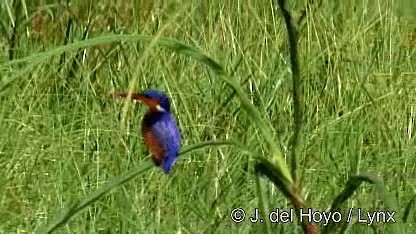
x=159, y=129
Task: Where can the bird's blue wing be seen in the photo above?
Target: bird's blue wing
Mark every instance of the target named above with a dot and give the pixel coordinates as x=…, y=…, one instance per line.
x=167, y=134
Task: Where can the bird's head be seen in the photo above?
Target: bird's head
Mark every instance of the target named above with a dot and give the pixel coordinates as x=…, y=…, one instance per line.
x=154, y=99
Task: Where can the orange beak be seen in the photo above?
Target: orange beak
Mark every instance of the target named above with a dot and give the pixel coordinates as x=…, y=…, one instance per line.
x=151, y=103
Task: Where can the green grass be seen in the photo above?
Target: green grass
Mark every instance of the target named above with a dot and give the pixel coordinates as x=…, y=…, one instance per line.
x=68, y=152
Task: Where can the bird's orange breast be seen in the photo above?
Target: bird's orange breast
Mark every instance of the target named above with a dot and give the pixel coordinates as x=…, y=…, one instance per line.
x=152, y=142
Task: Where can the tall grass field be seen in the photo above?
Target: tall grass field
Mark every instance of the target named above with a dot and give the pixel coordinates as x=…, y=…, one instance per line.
x=295, y=116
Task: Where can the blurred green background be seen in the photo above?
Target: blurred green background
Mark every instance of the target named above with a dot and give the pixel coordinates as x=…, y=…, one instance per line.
x=61, y=137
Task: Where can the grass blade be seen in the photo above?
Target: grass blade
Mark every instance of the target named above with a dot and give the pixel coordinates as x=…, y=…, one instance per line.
x=68, y=213
x=267, y=168
x=408, y=208
x=297, y=87
x=350, y=187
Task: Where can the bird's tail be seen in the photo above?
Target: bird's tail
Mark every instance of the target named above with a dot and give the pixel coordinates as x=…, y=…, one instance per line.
x=167, y=164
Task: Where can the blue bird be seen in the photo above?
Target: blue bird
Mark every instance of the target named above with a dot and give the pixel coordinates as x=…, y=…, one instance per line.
x=159, y=129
